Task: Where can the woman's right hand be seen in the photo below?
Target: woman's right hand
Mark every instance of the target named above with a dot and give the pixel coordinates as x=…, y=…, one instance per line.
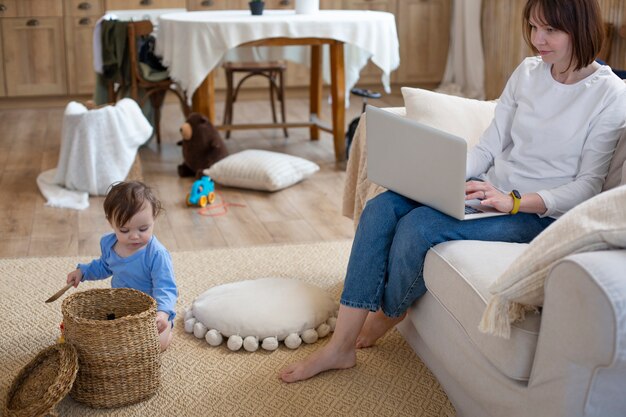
x=75, y=277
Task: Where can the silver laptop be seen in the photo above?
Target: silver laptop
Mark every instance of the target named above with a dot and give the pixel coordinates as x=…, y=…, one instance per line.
x=421, y=163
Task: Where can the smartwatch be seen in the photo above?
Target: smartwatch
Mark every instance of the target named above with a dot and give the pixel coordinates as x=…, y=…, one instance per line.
x=517, y=198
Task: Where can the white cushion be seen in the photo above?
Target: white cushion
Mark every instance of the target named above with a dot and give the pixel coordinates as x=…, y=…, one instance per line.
x=596, y=224
x=458, y=275
x=463, y=117
x=261, y=170
x=265, y=308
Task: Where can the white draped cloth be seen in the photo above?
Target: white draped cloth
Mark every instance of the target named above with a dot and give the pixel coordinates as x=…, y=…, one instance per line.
x=98, y=148
x=193, y=43
x=465, y=69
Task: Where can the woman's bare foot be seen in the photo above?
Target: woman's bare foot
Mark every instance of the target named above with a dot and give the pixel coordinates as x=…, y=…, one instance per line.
x=327, y=358
x=376, y=326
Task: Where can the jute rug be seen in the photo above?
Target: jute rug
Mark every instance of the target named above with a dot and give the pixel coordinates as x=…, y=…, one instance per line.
x=200, y=380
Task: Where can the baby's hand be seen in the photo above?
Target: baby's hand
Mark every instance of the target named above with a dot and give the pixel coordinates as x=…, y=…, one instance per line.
x=162, y=321
x=75, y=277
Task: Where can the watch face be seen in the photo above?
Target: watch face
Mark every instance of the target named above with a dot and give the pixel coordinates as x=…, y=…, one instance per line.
x=516, y=194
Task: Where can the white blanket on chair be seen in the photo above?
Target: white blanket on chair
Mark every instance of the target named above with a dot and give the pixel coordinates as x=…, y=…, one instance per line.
x=98, y=148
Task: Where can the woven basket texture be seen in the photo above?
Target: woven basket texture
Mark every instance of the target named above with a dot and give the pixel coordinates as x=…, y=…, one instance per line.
x=119, y=359
x=42, y=383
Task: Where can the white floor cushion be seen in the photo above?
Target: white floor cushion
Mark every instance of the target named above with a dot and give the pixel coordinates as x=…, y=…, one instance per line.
x=261, y=170
x=263, y=311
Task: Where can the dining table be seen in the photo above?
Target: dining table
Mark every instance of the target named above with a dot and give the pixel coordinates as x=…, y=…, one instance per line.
x=341, y=42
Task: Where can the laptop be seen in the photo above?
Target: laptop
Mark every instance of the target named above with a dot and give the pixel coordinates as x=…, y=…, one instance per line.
x=420, y=162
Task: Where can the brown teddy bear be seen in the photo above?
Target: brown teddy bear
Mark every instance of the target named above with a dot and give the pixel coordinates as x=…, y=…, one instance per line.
x=202, y=146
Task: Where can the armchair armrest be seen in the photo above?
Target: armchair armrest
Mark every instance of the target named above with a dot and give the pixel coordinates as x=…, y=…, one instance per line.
x=581, y=354
x=357, y=188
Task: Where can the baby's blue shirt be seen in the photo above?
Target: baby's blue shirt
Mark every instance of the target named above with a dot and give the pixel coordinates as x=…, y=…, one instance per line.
x=148, y=270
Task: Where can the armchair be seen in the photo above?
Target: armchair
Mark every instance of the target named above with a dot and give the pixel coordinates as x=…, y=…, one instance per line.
x=569, y=360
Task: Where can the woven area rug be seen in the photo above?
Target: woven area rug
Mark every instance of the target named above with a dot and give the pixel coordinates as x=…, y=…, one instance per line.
x=200, y=380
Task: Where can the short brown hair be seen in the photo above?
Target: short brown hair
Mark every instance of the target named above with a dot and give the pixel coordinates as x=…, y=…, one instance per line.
x=126, y=198
x=580, y=19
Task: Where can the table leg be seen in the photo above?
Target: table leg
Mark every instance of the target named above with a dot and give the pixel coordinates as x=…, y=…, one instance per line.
x=203, y=100
x=338, y=92
x=315, y=88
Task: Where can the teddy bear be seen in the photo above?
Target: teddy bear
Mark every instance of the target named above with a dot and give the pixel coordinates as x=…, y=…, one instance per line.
x=202, y=146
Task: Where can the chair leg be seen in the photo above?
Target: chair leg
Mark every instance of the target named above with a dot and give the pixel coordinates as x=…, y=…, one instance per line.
x=281, y=97
x=228, y=108
x=272, y=80
x=156, y=99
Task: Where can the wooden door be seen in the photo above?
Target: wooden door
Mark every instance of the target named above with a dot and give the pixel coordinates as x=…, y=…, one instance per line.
x=3, y=91
x=34, y=56
x=80, y=19
x=424, y=31
x=80, y=71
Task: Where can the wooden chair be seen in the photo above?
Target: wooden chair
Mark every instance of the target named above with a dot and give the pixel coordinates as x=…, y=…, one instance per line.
x=274, y=71
x=142, y=89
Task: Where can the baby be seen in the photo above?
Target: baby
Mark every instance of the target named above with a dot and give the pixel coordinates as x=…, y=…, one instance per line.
x=132, y=254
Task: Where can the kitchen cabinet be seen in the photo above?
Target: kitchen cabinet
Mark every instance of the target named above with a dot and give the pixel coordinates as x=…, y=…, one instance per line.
x=145, y=4
x=80, y=20
x=33, y=48
x=47, y=45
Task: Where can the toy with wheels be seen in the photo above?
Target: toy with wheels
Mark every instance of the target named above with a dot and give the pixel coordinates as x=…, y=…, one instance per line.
x=202, y=192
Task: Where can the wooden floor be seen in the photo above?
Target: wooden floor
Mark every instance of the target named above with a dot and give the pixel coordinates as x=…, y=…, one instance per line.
x=306, y=212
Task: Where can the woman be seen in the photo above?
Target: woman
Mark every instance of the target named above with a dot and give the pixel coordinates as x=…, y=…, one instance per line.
x=548, y=149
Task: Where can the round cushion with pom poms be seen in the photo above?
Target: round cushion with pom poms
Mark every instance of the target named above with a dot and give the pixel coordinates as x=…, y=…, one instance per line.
x=262, y=313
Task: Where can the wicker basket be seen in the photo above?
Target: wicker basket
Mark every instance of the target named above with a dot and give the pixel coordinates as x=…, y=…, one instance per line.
x=119, y=359
x=42, y=383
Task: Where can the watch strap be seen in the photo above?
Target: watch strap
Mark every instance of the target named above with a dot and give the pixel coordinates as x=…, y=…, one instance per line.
x=517, y=199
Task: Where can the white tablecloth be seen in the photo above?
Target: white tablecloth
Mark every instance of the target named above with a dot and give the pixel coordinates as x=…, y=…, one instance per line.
x=193, y=43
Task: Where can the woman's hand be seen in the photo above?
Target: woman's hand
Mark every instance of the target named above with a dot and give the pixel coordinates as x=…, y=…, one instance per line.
x=488, y=196
x=75, y=277
x=162, y=321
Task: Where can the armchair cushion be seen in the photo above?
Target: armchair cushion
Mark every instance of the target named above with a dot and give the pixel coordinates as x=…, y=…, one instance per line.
x=463, y=117
x=596, y=224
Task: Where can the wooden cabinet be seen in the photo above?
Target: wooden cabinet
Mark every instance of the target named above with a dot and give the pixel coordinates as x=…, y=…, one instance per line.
x=198, y=5
x=47, y=45
x=424, y=32
x=80, y=20
x=33, y=47
x=145, y=4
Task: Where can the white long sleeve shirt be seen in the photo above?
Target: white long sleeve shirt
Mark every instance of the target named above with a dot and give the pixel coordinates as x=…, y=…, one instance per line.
x=551, y=138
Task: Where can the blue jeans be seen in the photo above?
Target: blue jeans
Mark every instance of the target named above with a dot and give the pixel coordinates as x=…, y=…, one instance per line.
x=386, y=265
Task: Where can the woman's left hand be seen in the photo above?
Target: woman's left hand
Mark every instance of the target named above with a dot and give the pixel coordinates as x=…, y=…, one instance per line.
x=488, y=195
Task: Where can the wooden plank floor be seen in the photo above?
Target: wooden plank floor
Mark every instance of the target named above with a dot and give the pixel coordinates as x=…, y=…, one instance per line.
x=309, y=211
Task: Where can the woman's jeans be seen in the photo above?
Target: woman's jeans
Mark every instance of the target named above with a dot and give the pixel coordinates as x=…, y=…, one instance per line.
x=386, y=264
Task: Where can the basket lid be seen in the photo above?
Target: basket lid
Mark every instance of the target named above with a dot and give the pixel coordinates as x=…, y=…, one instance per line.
x=43, y=382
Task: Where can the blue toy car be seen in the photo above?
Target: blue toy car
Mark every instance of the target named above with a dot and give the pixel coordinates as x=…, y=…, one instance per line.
x=202, y=192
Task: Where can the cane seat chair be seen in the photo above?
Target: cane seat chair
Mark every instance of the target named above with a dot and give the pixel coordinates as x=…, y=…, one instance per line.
x=142, y=89
x=274, y=71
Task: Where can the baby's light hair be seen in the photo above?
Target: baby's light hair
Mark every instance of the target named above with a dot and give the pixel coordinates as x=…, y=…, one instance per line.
x=124, y=199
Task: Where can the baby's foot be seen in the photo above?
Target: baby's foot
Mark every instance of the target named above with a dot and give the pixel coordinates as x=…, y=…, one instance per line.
x=376, y=326
x=325, y=359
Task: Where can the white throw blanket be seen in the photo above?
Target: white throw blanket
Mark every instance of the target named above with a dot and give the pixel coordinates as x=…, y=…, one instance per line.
x=98, y=148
